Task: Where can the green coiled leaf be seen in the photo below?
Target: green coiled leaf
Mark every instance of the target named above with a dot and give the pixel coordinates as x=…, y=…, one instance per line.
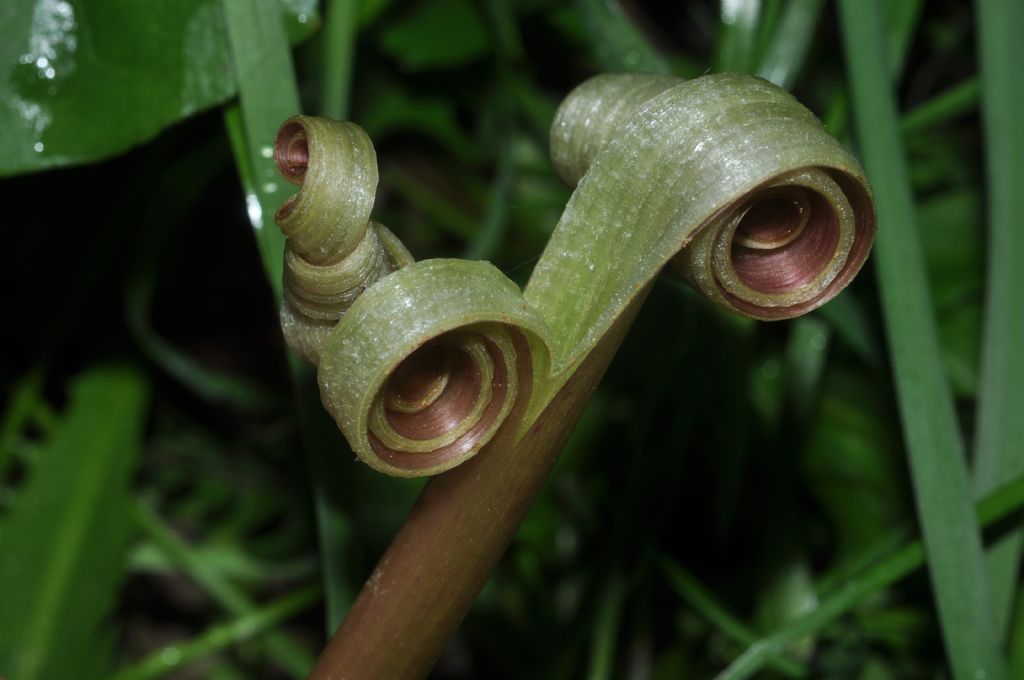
x=726, y=176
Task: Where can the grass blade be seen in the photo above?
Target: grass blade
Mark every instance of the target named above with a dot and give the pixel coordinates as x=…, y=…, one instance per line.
x=996, y=506
x=737, y=35
x=1016, y=643
x=702, y=600
x=217, y=386
x=617, y=43
x=267, y=96
x=606, y=631
x=900, y=18
x=63, y=542
x=339, y=37
x=937, y=461
x=945, y=106
x=288, y=654
x=163, y=661
x=1001, y=391
x=787, y=52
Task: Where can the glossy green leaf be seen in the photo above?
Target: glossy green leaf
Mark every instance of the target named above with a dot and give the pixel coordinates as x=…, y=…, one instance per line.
x=63, y=541
x=83, y=80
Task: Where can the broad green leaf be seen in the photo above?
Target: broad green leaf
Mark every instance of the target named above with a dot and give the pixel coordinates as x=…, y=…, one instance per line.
x=63, y=541
x=436, y=35
x=80, y=81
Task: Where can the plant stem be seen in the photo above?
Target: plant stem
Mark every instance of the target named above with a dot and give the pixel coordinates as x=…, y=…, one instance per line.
x=461, y=525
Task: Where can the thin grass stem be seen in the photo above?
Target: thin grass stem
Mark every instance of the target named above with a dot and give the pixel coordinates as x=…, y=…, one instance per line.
x=996, y=506
x=292, y=656
x=217, y=638
x=937, y=458
x=1000, y=429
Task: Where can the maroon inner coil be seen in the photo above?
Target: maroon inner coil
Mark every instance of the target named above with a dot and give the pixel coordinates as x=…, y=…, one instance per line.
x=790, y=266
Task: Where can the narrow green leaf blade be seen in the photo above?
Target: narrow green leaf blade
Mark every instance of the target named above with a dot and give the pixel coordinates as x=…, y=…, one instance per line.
x=937, y=458
x=785, y=56
x=737, y=35
x=63, y=542
x=1001, y=397
x=617, y=43
x=996, y=506
x=245, y=627
x=268, y=95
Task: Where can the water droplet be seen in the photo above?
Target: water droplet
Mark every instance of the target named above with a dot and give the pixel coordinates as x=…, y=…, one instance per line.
x=171, y=656
x=49, y=73
x=303, y=18
x=252, y=206
x=269, y=188
x=38, y=146
x=42, y=62
x=266, y=151
x=818, y=341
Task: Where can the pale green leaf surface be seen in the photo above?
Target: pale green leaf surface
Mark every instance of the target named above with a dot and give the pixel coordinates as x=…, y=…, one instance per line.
x=63, y=541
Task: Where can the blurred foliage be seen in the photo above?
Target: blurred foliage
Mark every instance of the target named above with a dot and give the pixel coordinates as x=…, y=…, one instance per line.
x=726, y=478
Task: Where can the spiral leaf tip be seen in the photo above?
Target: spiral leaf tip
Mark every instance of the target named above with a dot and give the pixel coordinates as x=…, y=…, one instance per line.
x=428, y=364
x=773, y=216
x=726, y=177
x=333, y=252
